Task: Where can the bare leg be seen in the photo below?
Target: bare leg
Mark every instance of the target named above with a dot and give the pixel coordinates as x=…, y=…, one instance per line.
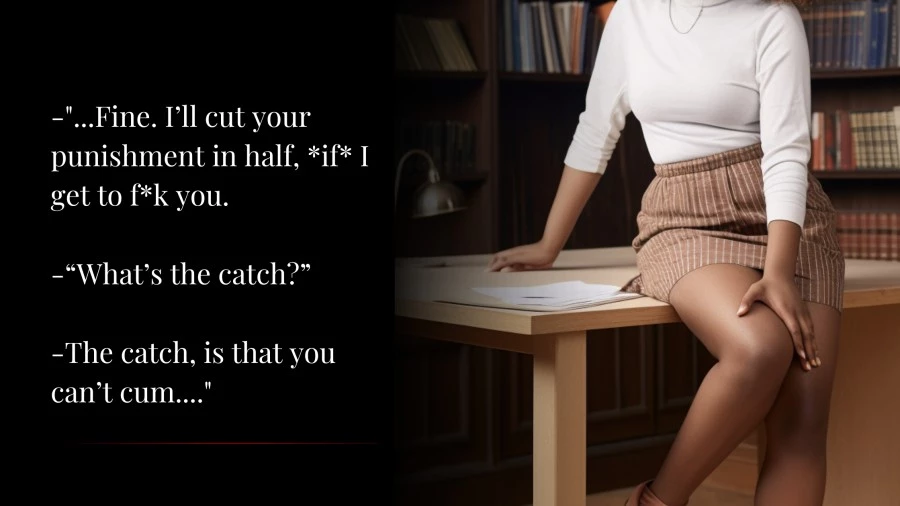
x=793, y=473
x=754, y=354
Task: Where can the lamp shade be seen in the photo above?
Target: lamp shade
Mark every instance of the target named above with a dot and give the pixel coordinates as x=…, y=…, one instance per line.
x=437, y=197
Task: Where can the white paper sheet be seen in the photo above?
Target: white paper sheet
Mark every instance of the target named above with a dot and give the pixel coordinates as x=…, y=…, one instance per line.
x=558, y=296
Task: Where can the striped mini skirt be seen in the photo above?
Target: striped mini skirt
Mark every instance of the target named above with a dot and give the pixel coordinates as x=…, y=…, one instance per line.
x=712, y=210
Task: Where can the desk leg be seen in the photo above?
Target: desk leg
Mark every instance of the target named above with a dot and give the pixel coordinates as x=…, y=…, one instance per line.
x=560, y=420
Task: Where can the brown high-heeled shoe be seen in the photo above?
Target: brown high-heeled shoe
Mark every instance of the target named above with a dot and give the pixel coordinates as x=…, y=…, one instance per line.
x=643, y=490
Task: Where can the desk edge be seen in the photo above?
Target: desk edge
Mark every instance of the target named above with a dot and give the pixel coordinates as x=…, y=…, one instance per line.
x=528, y=323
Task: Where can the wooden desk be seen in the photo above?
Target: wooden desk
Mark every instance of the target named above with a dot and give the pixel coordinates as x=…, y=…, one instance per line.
x=865, y=416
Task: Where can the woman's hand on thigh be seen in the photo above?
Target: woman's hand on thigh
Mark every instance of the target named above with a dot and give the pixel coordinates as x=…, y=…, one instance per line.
x=783, y=296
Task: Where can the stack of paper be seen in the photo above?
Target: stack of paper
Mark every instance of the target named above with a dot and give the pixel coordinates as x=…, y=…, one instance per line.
x=558, y=296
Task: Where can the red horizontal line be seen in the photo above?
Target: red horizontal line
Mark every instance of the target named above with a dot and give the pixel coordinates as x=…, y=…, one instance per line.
x=312, y=443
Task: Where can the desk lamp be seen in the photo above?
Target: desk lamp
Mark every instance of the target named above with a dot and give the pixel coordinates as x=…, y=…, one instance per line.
x=434, y=197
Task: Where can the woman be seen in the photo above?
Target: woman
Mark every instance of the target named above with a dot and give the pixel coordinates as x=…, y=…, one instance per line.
x=734, y=232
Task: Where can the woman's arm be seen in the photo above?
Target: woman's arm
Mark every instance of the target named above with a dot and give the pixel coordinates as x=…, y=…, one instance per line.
x=575, y=188
x=785, y=121
x=599, y=127
x=782, y=250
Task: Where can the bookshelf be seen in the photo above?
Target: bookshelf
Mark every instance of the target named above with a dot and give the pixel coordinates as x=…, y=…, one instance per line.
x=461, y=96
x=461, y=445
x=888, y=73
x=856, y=74
x=860, y=175
x=438, y=75
x=516, y=161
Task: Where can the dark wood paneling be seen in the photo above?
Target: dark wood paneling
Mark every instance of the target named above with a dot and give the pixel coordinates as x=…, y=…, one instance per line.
x=441, y=412
x=536, y=122
x=682, y=362
x=676, y=374
x=620, y=386
x=514, y=405
x=675, y=364
x=619, y=392
x=641, y=381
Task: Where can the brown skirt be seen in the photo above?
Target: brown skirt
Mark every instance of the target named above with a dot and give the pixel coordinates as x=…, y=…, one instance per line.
x=711, y=210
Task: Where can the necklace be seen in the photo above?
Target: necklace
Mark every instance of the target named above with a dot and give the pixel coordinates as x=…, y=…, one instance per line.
x=692, y=24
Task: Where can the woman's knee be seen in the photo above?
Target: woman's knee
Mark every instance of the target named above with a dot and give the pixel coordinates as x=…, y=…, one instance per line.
x=803, y=428
x=760, y=357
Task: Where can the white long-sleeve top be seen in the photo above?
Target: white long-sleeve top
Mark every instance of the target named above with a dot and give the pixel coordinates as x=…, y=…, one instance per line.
x=739, y=77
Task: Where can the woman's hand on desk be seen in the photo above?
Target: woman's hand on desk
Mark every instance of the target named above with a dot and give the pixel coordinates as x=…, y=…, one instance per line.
x=524, y=258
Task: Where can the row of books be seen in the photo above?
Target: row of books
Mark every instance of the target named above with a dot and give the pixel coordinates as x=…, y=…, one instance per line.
x=451, y=145
x=870, y=235
x=558, y=37
x=563, y=37
x=850, y=140
x=854, y=34
x=435, y=44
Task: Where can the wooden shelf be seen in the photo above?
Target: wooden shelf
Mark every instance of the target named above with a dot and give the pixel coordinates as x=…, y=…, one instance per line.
x=545, y=77
x=858, y=174
x=439, y=75
x=820, y=75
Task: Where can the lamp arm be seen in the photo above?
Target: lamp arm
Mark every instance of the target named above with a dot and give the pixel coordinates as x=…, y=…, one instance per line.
x=403, y=159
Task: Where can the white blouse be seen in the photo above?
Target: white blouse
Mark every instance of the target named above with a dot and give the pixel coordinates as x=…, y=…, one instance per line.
x=740, y=76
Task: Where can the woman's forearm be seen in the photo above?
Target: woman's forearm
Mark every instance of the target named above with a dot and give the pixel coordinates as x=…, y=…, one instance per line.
x=575, y=188
x=782, y=249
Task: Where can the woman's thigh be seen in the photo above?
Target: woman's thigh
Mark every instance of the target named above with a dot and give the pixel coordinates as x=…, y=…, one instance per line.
x=706, y=299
